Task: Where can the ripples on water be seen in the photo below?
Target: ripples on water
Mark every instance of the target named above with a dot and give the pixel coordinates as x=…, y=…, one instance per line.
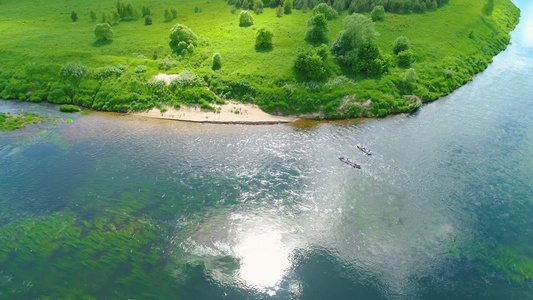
x=269, y=211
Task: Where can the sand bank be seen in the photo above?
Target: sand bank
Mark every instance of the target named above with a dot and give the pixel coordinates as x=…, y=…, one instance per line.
x=229, y=113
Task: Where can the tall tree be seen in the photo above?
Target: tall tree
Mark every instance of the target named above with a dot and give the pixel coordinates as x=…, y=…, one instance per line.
x=317, y=30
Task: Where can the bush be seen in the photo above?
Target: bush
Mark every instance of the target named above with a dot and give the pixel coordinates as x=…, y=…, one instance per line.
x=147, y=20
x=141, y=69
x=217, y=61
x=69, y=108
x=263, y=38
x=74, y=16
x=405, y=58
x=378, y=13
x=246, y=19
x=103, y=31
x=73, y=70
x=312, y=63
x=401, y=44
x=186, y=79
x=111, y=71
x=166, y=63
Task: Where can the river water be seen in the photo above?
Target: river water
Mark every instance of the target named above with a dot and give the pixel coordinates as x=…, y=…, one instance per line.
x=121, y=207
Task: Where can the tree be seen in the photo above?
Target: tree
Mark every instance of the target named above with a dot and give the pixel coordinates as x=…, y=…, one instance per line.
x=147, y=20
x=173, y=12
x=488, y=8
x=145, y=11
x=263, y=38
x=317, y=30
x=378, y=13
x=92, y=15
x=74, y=16
x=287, y=7
x=246, y=19
x=168, y=15
x=327, y=10
x=356, y=48
x=279, y=11
x=258, y=7
x=181, y=37
x=358, y=30
x=103, y=31
x=217, y=61
x=401, y=44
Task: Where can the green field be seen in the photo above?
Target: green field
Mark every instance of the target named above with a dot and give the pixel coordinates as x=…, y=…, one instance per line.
x=39, y=42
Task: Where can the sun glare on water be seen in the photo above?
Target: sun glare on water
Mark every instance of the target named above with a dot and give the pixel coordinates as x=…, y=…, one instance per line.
x=263, y=260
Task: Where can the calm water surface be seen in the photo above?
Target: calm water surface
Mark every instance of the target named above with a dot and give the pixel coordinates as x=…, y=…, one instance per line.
x=120, y=207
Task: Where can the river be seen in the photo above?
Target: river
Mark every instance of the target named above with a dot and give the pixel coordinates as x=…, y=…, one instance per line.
x=122, y=207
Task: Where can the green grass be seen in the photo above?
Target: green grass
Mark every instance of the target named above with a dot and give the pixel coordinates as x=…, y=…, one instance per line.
x=39, y=38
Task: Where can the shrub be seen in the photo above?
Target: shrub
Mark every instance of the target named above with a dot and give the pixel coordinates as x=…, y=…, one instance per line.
x=186, y=79
x=312, y=63
x=69, y=108
x=246, y=19
x=405, y=58
x=92, y=15
x=103, y=31
x=263, y=38
x=279, y=11
x=166, y=63
x=74, y=16
x=401, y=44
x=109, y=71
x=147, y=20
x=73, y=70
x=217, y=61
x=141, y=69
x=378, y=13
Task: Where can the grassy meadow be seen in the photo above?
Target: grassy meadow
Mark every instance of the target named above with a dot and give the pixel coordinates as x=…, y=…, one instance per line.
x=39, y=40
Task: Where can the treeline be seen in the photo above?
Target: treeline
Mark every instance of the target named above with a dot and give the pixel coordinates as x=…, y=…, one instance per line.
x=352, y=6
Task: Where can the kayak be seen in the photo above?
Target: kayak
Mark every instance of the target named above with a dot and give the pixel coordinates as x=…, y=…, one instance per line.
x=349, y=162
x=364, y=149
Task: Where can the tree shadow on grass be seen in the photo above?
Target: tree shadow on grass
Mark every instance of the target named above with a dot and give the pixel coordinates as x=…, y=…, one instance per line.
x=101, y=43
x=264, y=49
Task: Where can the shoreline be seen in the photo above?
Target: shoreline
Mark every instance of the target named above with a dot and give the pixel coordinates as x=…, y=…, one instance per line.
x=229, y=113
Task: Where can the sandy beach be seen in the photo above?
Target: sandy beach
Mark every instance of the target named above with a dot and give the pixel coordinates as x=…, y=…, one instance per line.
x=229, y=113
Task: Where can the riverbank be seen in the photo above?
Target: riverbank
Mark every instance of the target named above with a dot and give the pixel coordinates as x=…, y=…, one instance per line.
x=230, y=113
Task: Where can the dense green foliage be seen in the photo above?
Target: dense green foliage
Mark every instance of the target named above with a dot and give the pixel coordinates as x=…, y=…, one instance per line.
x=103, y=31
x=69, y=108
x=263, y=38
x=378, y=13
x=317, y=30
x=246, y=19
x=448, y=45
x=217, y=61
